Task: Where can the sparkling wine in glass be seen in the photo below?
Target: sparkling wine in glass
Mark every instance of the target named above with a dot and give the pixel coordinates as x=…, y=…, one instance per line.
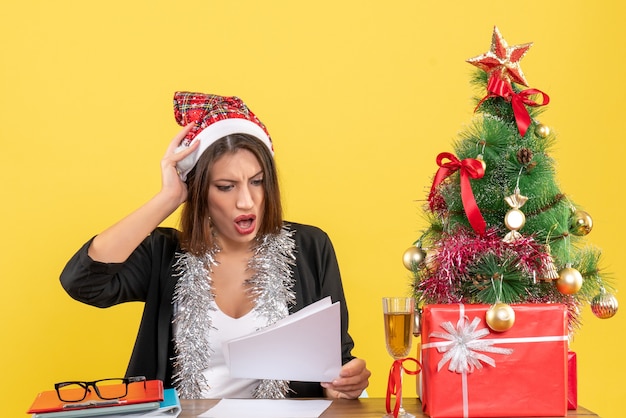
x=398, y=315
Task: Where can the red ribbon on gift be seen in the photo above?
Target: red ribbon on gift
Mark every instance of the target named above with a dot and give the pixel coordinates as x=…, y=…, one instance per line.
x=497, y=87
x=469, y=168
x=394, y=384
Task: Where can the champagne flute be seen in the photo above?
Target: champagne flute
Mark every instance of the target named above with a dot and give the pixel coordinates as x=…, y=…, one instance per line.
x=398, y=314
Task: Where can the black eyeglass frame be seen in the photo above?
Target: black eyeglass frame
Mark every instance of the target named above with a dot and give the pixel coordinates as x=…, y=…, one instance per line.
x=94, y=384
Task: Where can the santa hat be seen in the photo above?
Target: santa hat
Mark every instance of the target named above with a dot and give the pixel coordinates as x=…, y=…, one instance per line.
x=215, y=117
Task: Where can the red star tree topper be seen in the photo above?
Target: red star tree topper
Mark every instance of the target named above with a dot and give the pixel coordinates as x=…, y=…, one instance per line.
x=503, y=59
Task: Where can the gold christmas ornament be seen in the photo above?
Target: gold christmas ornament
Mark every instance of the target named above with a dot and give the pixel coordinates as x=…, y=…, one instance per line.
x=431, y=261
x=570, y=280
x=413, y=256
x=549, y=271
x=500, y=317
x=604, y=305
x=514, y=218
x=580, y=223
x=417, y=322
x=542, y=131
x=482, y=161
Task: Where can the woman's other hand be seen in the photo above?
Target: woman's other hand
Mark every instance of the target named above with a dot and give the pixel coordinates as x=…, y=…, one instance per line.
x=352, y=381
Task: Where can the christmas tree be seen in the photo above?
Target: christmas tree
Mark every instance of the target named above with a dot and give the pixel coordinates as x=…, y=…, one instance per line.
x=500, y=229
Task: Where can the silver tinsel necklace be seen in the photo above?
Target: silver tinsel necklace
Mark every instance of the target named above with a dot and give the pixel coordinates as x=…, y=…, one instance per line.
x=271, y=286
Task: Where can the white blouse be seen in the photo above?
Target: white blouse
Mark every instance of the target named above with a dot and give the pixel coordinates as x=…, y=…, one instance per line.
x=225, y=328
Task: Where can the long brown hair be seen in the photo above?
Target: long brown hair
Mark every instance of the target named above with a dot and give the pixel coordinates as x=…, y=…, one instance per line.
x=196, y=234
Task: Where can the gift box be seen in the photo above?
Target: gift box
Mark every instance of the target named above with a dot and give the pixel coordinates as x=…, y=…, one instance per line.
x=468, y=370
x=572, y=381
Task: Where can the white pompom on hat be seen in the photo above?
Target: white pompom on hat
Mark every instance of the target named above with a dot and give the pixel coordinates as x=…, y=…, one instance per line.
x=215, y=117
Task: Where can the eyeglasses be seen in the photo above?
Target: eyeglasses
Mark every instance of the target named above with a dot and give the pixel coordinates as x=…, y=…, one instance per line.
x=107, y=389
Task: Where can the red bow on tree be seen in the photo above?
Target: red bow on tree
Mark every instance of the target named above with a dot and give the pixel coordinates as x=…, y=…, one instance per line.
x=469, y=168
x=498, y=87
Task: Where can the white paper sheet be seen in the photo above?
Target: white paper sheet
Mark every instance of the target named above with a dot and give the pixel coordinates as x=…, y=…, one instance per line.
x=305, y=346
x=267, y=408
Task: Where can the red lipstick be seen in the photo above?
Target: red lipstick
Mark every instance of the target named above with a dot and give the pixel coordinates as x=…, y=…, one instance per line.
x=245, y=224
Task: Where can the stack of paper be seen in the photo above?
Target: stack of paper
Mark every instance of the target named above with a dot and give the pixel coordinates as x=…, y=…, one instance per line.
x=305, y=346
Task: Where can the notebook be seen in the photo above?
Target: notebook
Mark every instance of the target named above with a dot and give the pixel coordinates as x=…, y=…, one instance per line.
x=47, y=402
x=170, y=407
x=105, y=412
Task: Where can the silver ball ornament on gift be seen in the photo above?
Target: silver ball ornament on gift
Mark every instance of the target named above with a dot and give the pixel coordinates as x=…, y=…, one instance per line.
x=413, y=257
x=604, y=305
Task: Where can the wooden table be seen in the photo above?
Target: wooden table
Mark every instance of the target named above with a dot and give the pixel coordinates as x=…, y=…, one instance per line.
x=362, y=408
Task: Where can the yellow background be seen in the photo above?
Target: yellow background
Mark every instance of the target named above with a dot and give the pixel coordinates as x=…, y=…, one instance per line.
x=359, y=97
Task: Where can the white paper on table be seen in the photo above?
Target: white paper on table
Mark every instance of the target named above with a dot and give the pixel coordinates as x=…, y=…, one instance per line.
x=267, y=408
x=304, y=346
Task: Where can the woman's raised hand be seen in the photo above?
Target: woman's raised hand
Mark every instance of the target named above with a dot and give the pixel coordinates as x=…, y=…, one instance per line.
x=170, y=179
